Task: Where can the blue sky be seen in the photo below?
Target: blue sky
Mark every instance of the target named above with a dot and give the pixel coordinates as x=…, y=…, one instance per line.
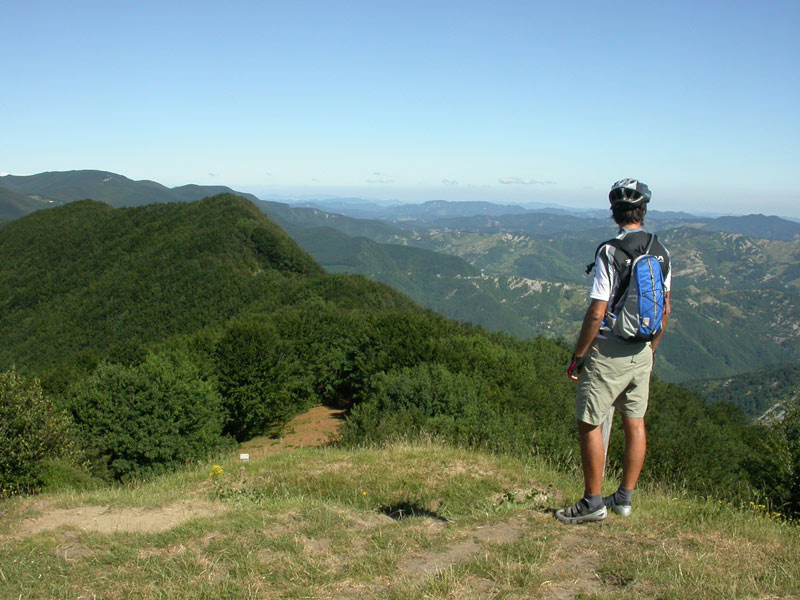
x=414, y=101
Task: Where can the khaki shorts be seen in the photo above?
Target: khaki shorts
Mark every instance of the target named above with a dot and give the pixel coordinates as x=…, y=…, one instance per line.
x=615, y=373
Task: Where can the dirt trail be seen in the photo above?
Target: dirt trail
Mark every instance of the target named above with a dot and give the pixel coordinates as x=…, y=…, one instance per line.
x=572, y=568
x=316, y=427
x=105, y=519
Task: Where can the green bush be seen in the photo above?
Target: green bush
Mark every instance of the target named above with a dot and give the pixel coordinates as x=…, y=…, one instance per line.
x=32, y=432
x=62, y=474
x=262, y=380
x=140, y=420
x=409, y=401
x=465, y=409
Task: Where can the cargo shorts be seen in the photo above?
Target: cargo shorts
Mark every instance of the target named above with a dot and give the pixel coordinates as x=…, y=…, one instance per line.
x=617, y=374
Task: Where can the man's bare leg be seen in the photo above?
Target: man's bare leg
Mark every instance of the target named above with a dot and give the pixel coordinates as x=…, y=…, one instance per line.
x=635, y=450
x=592, y=457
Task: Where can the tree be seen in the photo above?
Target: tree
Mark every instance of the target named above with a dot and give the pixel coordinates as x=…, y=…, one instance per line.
x=32, y=431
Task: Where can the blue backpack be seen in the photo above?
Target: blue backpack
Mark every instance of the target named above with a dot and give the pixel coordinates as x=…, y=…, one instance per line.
x=635, y=312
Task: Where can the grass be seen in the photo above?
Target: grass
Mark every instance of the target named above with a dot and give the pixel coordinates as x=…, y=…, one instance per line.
x=315, y=523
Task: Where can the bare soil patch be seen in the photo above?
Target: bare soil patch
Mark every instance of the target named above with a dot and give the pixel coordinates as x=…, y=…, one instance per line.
x=316, y=427
x=104, y=519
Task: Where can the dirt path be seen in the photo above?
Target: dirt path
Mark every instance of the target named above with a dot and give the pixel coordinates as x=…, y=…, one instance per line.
x=571, y=570
x=316, y=427
x=104, y=519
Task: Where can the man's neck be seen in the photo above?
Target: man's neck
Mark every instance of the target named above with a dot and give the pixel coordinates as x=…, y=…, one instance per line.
x=631, y=226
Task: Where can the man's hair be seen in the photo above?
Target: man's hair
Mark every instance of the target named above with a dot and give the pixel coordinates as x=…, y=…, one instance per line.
x=626, y=214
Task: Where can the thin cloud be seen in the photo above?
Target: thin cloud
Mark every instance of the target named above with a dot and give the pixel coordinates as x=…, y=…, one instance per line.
x=378, y=177
x=523, y=181
x=449, y=182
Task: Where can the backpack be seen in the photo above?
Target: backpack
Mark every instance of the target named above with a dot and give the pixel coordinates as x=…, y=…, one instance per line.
x=635, y=312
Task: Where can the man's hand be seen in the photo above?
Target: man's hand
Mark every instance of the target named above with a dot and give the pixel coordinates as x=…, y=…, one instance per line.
x=575, y=367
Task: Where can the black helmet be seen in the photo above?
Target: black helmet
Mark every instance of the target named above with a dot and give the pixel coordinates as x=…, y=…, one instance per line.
x=629, y=191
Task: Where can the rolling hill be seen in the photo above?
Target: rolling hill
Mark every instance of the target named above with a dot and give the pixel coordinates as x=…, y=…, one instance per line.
x=760, y=226
x=13, y=205
x=762, y=395
x=84, y=281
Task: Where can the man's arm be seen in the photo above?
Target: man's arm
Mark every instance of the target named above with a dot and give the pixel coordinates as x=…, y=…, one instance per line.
x=591, y=325
x=664, y=319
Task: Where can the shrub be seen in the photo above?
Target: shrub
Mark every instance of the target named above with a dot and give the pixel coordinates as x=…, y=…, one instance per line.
x=262, y=380
x=429, y=399
x=32, y=431
x=140, y=420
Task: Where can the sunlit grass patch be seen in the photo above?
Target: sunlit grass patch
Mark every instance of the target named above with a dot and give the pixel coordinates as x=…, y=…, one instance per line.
x=444, y=481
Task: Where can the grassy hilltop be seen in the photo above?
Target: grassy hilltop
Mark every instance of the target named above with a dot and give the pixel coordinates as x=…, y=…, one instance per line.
x=404, y=522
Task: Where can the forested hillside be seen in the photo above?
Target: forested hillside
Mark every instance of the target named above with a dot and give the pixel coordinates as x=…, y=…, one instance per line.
x=167, y=331
x=13, y=206
x=734, y=297
x=84, y=282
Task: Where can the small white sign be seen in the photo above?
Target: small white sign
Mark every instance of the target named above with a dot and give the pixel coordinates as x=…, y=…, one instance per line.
x=244, y=457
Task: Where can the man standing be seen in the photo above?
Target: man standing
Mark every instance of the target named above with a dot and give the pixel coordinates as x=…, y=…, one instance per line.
x=615, y=372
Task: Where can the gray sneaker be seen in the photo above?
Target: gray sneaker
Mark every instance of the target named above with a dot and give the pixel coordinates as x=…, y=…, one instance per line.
x=624, y=510
x=580, y=513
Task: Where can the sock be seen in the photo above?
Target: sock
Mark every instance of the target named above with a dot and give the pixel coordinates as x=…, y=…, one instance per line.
x=593, y=501
x=623, y=496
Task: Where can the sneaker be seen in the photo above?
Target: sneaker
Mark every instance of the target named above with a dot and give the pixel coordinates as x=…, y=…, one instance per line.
x=624, y=510
x=580, y=513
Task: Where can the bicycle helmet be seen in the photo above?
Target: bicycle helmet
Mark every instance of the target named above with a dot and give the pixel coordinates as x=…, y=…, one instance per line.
x=629, y=191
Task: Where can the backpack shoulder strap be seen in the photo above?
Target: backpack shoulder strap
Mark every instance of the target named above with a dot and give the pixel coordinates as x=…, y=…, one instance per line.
x=612, y=242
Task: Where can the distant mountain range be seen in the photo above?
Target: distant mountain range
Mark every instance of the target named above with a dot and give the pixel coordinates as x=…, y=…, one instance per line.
x=20, y=195
x=762, y=394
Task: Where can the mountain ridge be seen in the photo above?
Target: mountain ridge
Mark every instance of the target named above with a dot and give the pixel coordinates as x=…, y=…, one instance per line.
x=62, y=187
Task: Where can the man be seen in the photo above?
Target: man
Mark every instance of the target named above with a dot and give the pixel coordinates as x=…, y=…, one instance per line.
x=613, y=372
